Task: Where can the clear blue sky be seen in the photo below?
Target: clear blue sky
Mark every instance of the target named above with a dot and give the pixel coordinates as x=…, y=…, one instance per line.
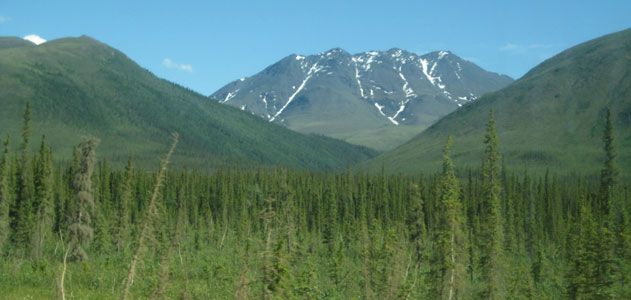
x=206, y=44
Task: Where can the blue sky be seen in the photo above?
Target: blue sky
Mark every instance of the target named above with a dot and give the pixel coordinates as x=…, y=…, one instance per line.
x=206, y=44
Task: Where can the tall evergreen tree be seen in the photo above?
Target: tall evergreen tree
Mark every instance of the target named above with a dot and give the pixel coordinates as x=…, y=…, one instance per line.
x=5, y=195
x=447, y=271
x=81, y=231
x=490, y=240
x=274, y=269
x=22, y=212
x=43, y=199
x=330, y=224
x=123, y=226
x=605, y=261
x=416, y=224
x=582, y=274
x=609, y=172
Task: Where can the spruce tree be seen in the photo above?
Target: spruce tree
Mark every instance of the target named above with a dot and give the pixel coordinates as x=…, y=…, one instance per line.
x=123, y=226
x=581, y=277
x=5, y=195
x=447, y=270
x=416, y=224
x=81, y=231
x=606, y=231
x=22, y=212
x=609, y=172
x=274, y=269
x=44, y=199
x=490, y=238
x=330, y=223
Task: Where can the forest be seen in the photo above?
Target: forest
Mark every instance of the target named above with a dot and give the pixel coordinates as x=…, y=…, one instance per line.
x=84, y=229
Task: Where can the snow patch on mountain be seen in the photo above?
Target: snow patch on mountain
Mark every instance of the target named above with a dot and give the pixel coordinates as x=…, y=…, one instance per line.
x=313, y=70
x=380, y=108
x=230, y=95
x=402, y=105
x=426, y=72
x=406, y=86
x=359, y=83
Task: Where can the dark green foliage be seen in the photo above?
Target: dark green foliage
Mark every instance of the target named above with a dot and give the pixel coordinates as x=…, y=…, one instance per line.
x=123, y=211
x=5, y=194
x=609, y=172
x=584, y=256
x=416, y=224
x=490, y=239
x=22, y=212
x=44, y=205
x=447, y=272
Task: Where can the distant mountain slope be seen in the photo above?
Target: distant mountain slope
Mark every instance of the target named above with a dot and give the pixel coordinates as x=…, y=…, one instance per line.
x=81, y=87
x=551, y=118
x=377, y=99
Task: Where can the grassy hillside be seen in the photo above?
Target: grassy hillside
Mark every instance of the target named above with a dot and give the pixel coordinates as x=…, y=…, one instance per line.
x=551, y=118
x=81, y=87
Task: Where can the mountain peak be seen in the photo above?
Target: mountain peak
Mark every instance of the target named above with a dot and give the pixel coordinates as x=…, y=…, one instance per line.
x=440, y=54
x=335, y=52
x=334, y=92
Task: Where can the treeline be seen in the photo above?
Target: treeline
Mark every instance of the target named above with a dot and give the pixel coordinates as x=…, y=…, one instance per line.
x=86, y=230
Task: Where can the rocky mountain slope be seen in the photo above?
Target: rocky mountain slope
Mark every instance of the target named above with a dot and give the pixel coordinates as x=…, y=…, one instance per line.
x=377, y=99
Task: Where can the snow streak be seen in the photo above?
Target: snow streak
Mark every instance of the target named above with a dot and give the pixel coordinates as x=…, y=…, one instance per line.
x=314, y=69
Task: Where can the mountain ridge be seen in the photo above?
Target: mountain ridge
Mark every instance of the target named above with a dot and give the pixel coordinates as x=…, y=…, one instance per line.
x=344, y=95
x=82, y=87
x=552, y=117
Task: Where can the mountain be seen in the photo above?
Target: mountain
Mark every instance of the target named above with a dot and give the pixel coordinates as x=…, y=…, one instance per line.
x=81, y=87
x=376, y=99
x=553, y=117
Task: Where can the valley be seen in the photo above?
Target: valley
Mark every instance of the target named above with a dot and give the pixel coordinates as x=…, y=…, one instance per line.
x=129, y=169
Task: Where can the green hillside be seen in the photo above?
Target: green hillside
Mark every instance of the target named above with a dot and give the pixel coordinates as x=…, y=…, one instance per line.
x=551, y=118
x=80, y=87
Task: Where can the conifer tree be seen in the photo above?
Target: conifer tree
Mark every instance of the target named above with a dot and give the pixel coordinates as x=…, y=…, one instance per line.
x=123, y=227
x=5, y=195
x=22, y=216
x=44, y=199
x=416, y=224
x=81, y=231
x=447, y=263
x=274, y=270
x=605, y=271
x=366, y=246
x=608, y=179
x=330, y=224
x=490, y=240
x=609, y=172
x=581, y=276
x=102, y=212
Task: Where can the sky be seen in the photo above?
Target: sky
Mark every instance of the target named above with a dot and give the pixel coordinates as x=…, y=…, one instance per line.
x=206, y=44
